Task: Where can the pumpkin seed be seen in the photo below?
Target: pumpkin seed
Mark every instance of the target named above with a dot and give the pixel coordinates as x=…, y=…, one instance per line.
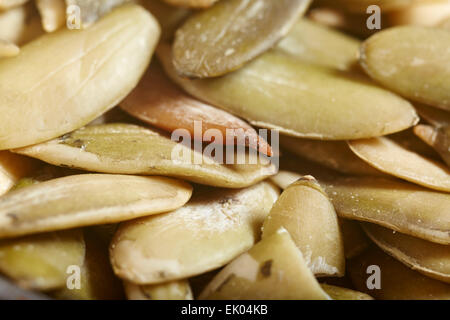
x=159, y=102
x=280, y=92
x=273, y=269
x=438, y=138
x=355, y=240
x=436, y=117
x=207, y=233
x=20, y=25
x=37, y=98
x=7, y=4
x=335, y=155
x=397, y=281
x=191, y=3
x=431, y=259
x=410, y=141
x=175, y=290
x=424, y=13
x=225, y=37
x=130, y=149
x=445, y=24
x=8, y=49
x=302, y=209
x=317, y=44
x=87, y=199
x=391, y=158
x=400, y=206
x=53, y=13
x=13, y=168
x=361, y=6
x=283, y=179
x=339, y=293
x=93, y=10
x=413, y=61
x=40, y=261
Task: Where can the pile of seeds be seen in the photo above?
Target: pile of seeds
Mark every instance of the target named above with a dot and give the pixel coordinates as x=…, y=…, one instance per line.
x=140, y=149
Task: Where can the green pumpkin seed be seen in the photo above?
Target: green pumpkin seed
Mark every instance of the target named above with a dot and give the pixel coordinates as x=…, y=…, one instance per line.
x=302, y=209
x=412, y=61
x=280, y=92
x=355, y=240
x=431, y=259
x=207, y=233
x=87, y=199
x=13, y=168
x=175, y=290
x=40, y=261
x=225, y=37
x=335, y=155
x=397, y=281
x=317, y=44
x=387, y=156
x=400, y=206
x=339, y=293
x=438, y=138
x=130, y=149
x=37, y=99
x=273, y=269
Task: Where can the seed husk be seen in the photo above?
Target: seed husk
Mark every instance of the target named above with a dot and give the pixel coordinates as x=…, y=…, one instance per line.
x=175, y=290
x=87, y=199
x=355, y=240
x=274, y=269
x=335, y=155
x=211, y=230
x=191, y=3
x=159, y=102
x=438, y=138
x=302, y=209
x=424, y=13
x=386, y=155
x=8, y=4
x=317, y=44
x=276, y=91
x=13, y=168
x=228, y=35
x=360, y=6
x=412, y=61
x=428, y=258
x=8, y=49
x=53, y=14
x=130, y=149
x=340, y=293
x=397, y=205
x=37, y=98
x=398, y=282
x=93, y=10
x=40, y=261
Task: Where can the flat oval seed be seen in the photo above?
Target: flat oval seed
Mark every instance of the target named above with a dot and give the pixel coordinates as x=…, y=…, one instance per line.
x=100, y=64
x=233, y=32
x=130, y=149
x=159, y=102
x=391, y=158
x=431, y=259
x=40, y=261
x=13, y=168
x=191, y=3
x=400, y=206
x=273, y=269
x=317, y=44
x=335, y=155
x=280, y=92
x=412, y=61
x=397, y=281
x=8, y=49
x=284, y=179
x=303, y=209
x=53, y=13
x=339, y=293
x=438, y=138
x=87, y=199
x=211, y=230
x=175, y=290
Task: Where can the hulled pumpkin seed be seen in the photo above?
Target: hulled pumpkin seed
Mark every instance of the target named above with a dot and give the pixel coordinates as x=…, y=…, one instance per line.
x=277, y=91
x=429, y=258
x=283, y=179
x=438, y=138
x=335, y=155
x=87, y=199
x=400, y=206
x=175, y=290
x=8, y=4
x=13, y=168
x=413, y=61
x=8, y=49
x=40, y=261
x=191, y=3
x=339, y=293
x=53, y=13
x=159, y=102
x=37, y=99
x=388, y=156
x=317, y=44
x=92, y=10
x=355, y=240
x=130, y=149
x=302, y=209
x=410, y=141
x=273, y=269
x=225, y=37
x=397, y=281
x=207, y=233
